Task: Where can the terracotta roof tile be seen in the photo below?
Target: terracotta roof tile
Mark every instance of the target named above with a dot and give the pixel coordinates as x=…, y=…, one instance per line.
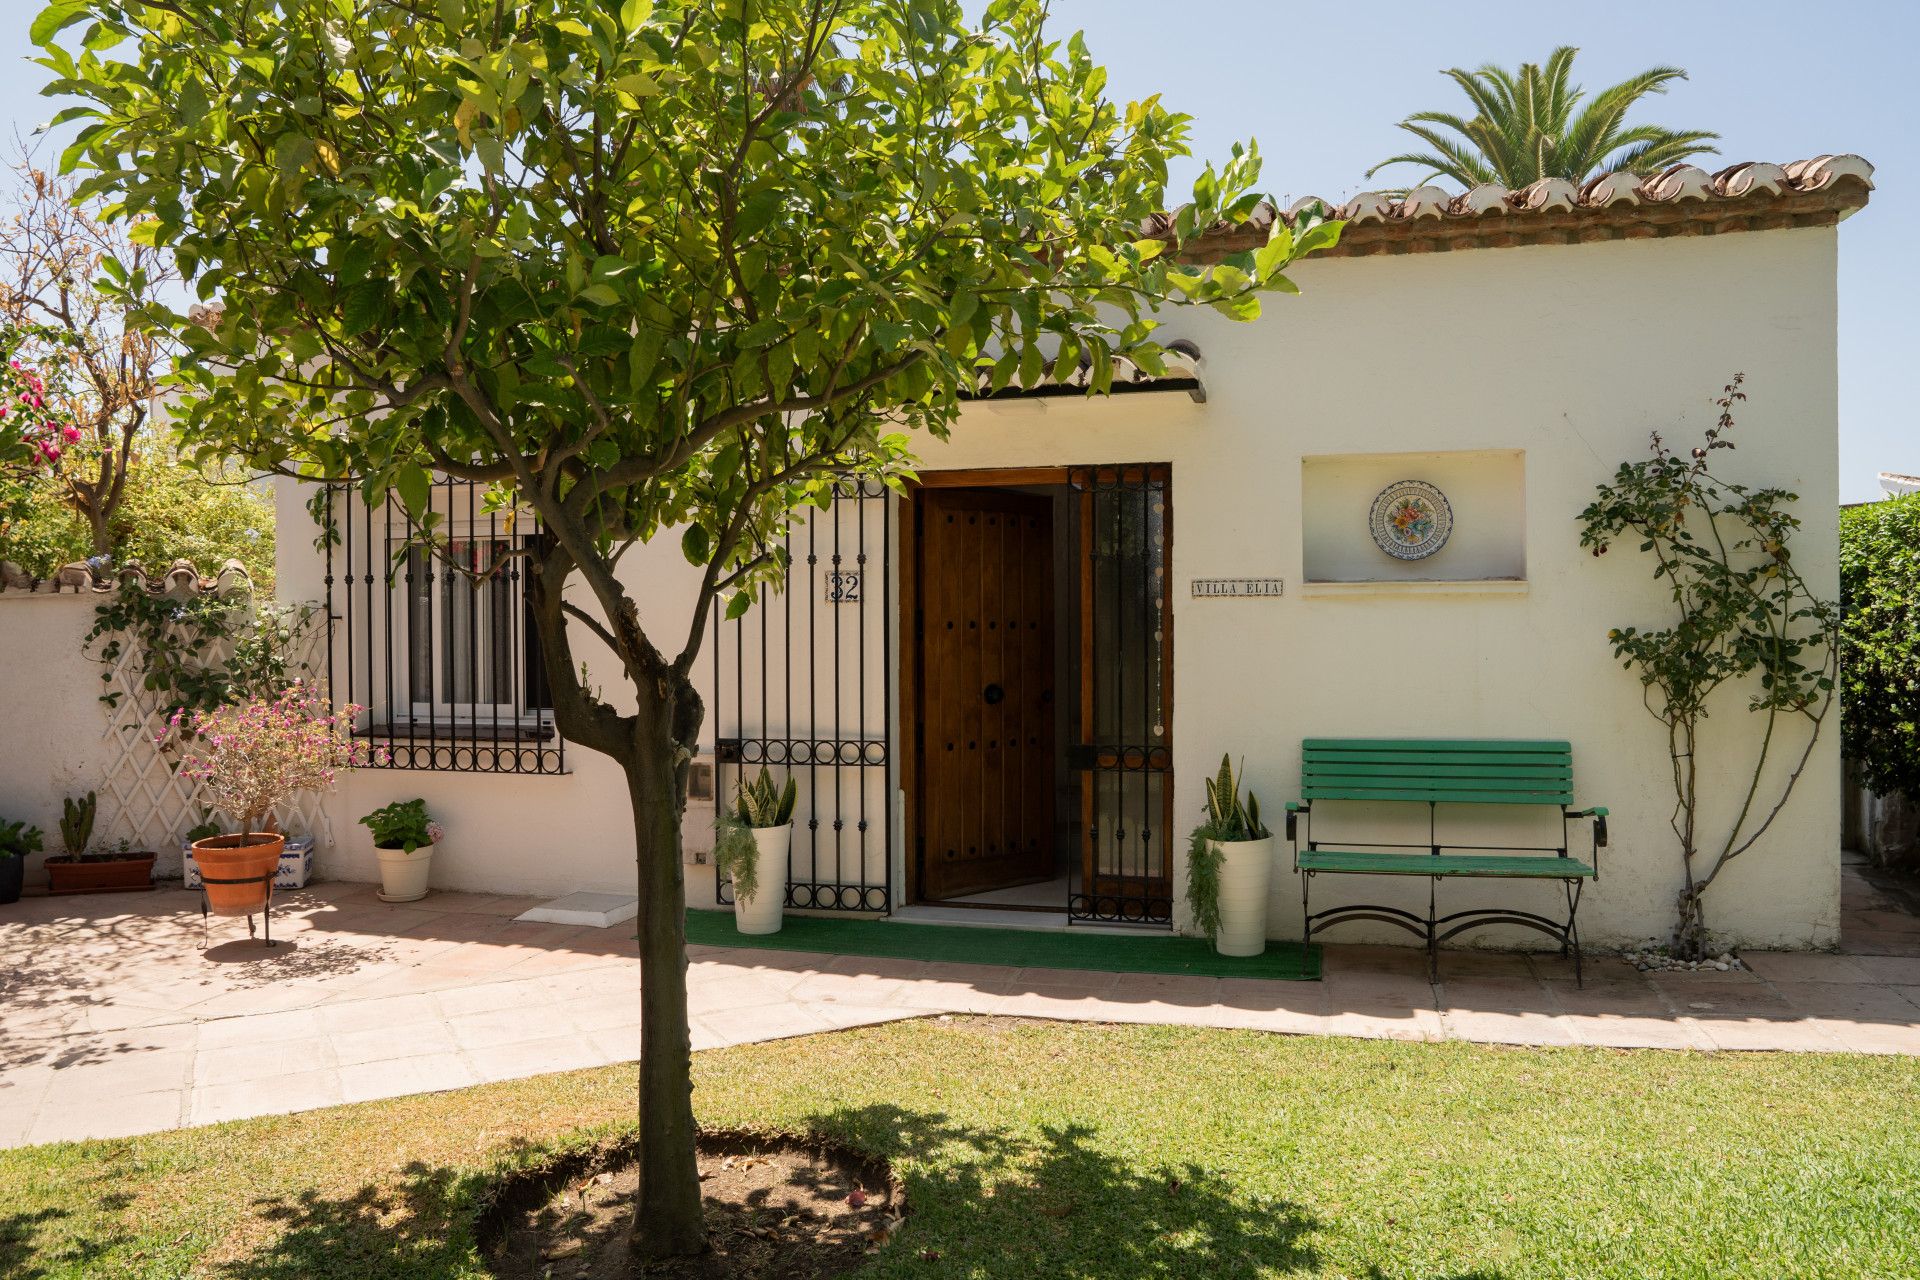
x=1681, y=200
x=180, y=580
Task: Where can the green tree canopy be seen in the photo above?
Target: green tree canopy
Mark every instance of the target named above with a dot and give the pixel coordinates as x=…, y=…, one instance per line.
x=643, y=267
x=1880, y=642
x=168, y=511
x=1530, y=124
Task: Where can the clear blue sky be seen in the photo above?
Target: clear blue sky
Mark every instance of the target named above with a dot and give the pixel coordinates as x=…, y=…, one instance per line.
x=1321, y=88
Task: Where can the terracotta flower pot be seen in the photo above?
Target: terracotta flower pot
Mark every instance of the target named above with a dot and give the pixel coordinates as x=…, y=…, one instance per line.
x=251, y=859
x=98, y=873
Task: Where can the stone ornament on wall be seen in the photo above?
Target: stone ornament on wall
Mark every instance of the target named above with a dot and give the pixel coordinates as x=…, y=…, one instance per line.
x=1411, y=520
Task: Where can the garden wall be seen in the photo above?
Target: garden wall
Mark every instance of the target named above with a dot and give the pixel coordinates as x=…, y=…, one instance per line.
x=55, y=742
x=59, y=739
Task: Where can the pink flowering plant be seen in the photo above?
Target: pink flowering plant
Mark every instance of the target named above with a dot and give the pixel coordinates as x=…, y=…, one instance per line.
x=28, y=410
x=251, y=757
x=34, y=431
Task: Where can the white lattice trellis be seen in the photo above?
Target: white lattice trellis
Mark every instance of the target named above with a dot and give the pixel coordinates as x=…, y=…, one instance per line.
x=142, y=799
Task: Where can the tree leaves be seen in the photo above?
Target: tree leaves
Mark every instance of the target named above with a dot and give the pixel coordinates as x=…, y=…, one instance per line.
x=1525, y=128
x=570, y=253
x=1880, y=642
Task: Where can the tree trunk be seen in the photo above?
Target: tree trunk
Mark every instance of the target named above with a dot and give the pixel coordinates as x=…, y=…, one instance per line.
x=669, y=1222
x=99, y=534
x=1690, y=934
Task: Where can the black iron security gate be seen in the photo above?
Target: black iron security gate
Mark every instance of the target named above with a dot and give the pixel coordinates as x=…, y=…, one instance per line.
x=803, y=684
x=1122, y=748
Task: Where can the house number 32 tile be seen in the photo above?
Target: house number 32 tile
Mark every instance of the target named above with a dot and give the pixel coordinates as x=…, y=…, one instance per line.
x=843, y=587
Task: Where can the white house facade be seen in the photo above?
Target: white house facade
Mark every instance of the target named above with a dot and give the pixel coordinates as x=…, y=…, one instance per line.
x=1002, y=688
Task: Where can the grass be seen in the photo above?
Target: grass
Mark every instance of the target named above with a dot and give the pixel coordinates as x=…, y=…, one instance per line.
x=1015, y=948
x=1032, y=1149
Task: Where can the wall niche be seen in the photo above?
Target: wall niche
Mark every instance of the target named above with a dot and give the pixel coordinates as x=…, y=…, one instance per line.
x=1481, y=493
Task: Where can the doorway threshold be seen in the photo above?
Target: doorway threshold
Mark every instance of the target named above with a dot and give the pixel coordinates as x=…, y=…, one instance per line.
x=1011, y=948
x=988, y=918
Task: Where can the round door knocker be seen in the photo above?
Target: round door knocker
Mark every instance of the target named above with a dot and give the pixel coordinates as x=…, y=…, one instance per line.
x=994, y=695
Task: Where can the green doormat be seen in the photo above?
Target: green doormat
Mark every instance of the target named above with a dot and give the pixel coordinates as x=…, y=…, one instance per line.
x=1018, y=948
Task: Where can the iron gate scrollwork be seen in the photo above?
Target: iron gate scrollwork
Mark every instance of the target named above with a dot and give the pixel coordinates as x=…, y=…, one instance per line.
x=803, y=685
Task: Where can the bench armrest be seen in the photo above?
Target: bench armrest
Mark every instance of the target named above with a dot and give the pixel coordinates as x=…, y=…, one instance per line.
x=1598, y=813
x=1294, y=809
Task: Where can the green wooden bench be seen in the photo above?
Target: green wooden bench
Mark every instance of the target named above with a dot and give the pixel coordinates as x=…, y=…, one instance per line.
x=1435, y=772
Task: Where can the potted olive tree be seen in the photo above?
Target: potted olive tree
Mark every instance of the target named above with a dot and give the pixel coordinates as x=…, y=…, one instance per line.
x=17, y=840
x=251, y=758
x=404, y=837
x=754, y=839
x=1230, y=868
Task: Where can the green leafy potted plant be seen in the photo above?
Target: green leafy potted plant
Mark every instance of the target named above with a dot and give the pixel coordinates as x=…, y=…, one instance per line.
x=17, y=840
x=404, y=837
x=753, y=841
x=1230, y=868
x=116, y=870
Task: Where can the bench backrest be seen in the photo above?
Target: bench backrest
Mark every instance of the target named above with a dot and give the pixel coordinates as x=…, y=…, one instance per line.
x=1443, y=770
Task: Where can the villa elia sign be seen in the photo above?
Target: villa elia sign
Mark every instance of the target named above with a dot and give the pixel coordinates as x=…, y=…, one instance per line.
x=1209, y=588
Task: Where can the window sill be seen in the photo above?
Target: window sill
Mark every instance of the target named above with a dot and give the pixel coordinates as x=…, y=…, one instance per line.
x=1419, y=587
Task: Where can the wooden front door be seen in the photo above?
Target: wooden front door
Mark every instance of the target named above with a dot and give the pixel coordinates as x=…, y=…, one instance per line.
x=985, y=573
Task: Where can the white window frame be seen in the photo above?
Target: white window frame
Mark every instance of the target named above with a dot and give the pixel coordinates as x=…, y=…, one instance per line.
x=438, y=710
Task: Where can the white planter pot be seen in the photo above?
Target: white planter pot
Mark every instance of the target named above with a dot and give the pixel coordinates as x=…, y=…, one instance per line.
x=403, y=875
x=762, y=915
x=1246, y=872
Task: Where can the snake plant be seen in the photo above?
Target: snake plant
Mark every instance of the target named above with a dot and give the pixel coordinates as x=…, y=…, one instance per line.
x=1227, y=821
x=757, y=806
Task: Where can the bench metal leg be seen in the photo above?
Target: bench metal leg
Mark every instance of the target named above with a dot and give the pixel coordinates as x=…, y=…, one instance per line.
x=1434, y=928
x=1433, y=936
x=1572, y=942
x=1306, y=911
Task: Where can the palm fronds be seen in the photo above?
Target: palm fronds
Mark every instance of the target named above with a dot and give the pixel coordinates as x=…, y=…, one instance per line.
x=1536, y=123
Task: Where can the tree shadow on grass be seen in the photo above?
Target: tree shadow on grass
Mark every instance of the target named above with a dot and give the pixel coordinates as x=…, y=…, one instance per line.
x=50, y=1241
x=989, y=1204
x=417, y=1226
x=21, y=1242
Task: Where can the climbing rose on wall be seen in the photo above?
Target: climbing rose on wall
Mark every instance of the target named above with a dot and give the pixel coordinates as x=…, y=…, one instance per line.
x=1740, y=616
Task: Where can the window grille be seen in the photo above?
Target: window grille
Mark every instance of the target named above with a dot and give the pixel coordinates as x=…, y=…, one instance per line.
x=439, y=644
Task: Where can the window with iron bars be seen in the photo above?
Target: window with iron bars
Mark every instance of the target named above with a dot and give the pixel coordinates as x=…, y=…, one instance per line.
x=438, y=642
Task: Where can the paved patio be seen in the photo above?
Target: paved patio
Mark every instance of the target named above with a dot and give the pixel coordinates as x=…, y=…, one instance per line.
x=114, y=1022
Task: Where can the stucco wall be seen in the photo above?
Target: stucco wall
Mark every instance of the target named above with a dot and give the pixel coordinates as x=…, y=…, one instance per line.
x=52, y=730
x=1571, y=355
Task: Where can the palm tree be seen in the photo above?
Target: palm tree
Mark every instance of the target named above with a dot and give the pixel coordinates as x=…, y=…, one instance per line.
x=1525, y=128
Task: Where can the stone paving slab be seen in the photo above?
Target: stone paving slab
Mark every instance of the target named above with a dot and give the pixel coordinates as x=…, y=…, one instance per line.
x=115, y=1021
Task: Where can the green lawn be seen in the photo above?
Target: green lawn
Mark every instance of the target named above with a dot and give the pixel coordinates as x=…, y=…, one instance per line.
x=1035, y=1150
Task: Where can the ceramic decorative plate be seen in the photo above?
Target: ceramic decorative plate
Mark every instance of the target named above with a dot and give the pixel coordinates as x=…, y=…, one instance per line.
x=1411, y=520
